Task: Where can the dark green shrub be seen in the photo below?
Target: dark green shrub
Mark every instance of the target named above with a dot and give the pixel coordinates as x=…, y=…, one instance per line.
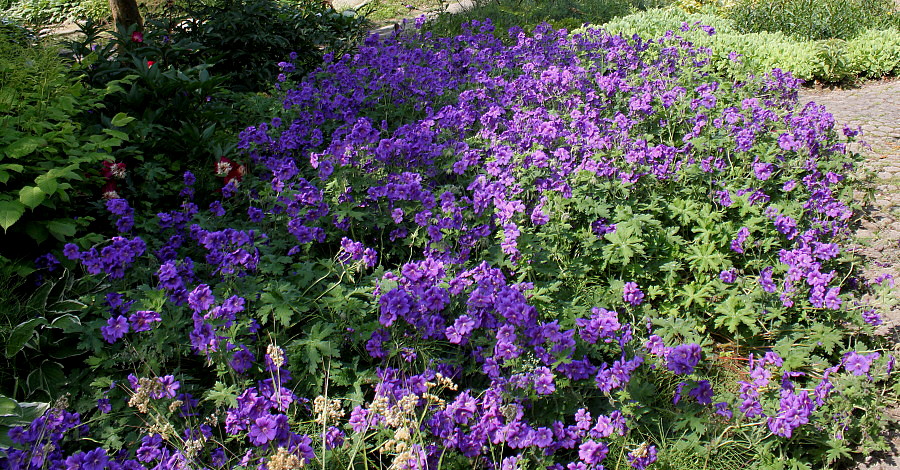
x=569, y=14
x=183, y=113
x=246, y=39
x=814, y=19
x=40, y=334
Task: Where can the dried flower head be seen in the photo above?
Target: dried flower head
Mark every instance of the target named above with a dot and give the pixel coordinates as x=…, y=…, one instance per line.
x=326, y=410
x=283, y=460
x=276, y=354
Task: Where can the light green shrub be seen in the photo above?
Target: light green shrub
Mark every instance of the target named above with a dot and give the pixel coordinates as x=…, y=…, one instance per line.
x=42, y=12
x=873, y=54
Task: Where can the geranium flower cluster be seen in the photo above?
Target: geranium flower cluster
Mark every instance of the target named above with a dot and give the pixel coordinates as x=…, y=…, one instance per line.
x=517, y=211
x=112, y=260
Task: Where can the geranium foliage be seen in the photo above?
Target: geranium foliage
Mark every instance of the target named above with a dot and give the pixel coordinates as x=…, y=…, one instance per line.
x=576, y=251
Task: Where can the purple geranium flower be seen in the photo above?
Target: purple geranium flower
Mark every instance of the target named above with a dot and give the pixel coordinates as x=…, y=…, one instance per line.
x=201, y=298
x=263, y=430
x=683, y=358
x=143, y=320
x=632, y=294
x=115, y=329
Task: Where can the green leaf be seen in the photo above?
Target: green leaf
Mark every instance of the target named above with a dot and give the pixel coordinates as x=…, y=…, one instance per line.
x=8, y=407
x=67, y=322
x=49, y=378
x=837, y=450
x=31, y=196
x=37, y=231
x=21, y=334
x=66, y=306
x=33, y=410
x=60, y=229
x=222, y=395
x=23, y=414
x=121, y=119
x=23, y=147
x=38, y=300
x=48, y=184
x=10, y=212
x=12, y=167
x=118, y=135
x=825, y=337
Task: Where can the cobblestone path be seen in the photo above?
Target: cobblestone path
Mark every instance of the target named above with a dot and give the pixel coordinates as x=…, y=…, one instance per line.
x=875, y=107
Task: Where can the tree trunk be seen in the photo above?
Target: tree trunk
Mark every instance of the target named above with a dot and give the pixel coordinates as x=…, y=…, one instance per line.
x=125, y=13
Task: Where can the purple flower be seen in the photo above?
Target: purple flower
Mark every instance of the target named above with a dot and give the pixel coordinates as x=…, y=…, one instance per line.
x=118, y=207
x=143, y=320
x=103, y=404
x=216, y=208
x=460, y=330
x=358, y=421
x=702, y=392
x=683, y=358
x=201, y=298
x=722, y=410
x=263, y=430
x=603, y=324
x=737, y=245
x=71, y=251
x=871, y=317
x=787, y=226
x=256, y=215
x=95, y=459
x=150, y=449
x=242, y=360
x=763, y=171
x=765, y=280
x=632, y=294
x=543, y=381
x=168, y=387
x=592, y=452
x=859, y=364
x=832, y=300
x=116, y=328
x=643, y=456
x=728, y=276
x=394, y=304
x=794, y=411
x=334, y=438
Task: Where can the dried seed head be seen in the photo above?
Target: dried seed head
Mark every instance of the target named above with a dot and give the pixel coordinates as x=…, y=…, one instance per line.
x=283, y=460
x=276, y=355
x=326, y=409
x=192, y=447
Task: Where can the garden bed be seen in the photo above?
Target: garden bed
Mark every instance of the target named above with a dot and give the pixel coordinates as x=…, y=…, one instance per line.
x=569, y=251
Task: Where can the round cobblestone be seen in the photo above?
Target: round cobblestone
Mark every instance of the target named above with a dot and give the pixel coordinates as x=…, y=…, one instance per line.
x=875, y=108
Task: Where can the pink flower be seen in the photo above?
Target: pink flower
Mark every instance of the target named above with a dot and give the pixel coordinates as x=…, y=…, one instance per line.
x=137, y=36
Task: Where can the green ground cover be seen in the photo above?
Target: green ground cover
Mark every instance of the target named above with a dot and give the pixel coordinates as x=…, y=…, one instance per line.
x=247, y=238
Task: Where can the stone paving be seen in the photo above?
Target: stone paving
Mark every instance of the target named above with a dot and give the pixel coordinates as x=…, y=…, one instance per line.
x=875, y=108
